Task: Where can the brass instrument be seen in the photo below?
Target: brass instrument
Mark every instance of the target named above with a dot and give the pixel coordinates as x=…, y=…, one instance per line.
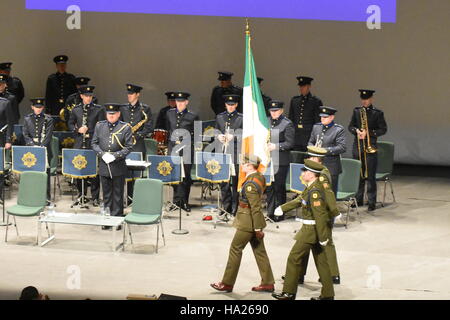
x=365, y=145
x=138, y=125
x=64, y=112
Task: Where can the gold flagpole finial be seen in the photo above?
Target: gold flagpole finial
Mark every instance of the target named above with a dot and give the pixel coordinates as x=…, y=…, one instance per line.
x=247, y=27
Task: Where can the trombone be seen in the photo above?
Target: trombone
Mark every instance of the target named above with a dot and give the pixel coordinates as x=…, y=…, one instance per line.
x=364, y=144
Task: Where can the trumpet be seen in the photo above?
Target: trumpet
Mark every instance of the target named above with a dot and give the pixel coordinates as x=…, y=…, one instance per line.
x=364, y=146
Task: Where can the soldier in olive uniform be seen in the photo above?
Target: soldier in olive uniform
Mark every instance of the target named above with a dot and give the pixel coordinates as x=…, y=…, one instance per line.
x=38, y=131
x=15, y=87
x=229, y=129
x=6, y=130
x=180, y=124
x=226, y=87
x=330, y=136
x=139, y=116
x=4, y=93
x=74, y=99
x=266, y=99
x=314, y=235
x=376, y=127
x=162, y=115
x=249, y=224
x=112, y=141
x=316, y=154
x=282, y=135
x=60, y=86
x=304, y=113
x=82, y=122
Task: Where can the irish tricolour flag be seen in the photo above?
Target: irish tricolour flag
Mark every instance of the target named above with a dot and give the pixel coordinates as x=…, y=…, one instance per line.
x=255, y=134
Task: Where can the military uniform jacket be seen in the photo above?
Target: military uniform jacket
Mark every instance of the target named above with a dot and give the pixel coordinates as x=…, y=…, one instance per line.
x=116, y=139
x=376, y=122
x=15, y=86
x=92, y=113
x=304, y=113
x=332, y=137
x=72, y=101
x=233, y=121
x=14, y=105
x=217, y=101
x=59, y=87
x=282, y=133
x=6, y=118
x=180, y=120
x=314, y=207
x=161, y=121
x=266, y=100
x=250, y=218
x=38, y=131
x=133, y=115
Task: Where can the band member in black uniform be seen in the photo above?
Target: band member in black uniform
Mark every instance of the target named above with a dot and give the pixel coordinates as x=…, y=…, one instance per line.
x=331, y=136
x=367, y=124
x=180, y=124
x=226, y=87
x=14, y=86
x=162, y=115
x=38, y=131
x=6, y=130
x=139, y=116
x=304, y=113
x=60, y=86
x=74, y=99
x=82, y=121
x=4, y=93
x=266, y=99
x=229, y=126
x=112, y=141
x=282, y=135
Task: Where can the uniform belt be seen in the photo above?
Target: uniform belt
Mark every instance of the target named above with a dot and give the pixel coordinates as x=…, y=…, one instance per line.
x=309, y=222
x=243, y=205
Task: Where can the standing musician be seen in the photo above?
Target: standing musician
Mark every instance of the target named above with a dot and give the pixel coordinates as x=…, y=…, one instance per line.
x=225, y=87
x=4, y=93
x=330, y=136
x=367, y=124
x=304, y=113
x=229, y=124
x=14, y=86
x=162, y=115
x=112, y=141
x=266, y=99
x=38, y=131
x=6, y=130
x=180, y=123
x=82, y=121
x=139, y=116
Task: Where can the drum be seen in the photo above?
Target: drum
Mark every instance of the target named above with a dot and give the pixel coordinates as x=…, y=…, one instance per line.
x=161, y=136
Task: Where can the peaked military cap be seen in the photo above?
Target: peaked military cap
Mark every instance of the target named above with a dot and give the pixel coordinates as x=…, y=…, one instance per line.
x=260, y=80
x=225, y=75
x=366, y=93
x=170, y=95
x=181, y=96
x=132, y=88
x=80, y=81
x=276, y=105
x=231, y=98
x=3, y=78
x=38, y=102
x=86, y=90
x=313, y=166
x=112, y=107
x=316, y=151
x=61, y=59
x=303, y=80
x=5, y=66
x=327, y=111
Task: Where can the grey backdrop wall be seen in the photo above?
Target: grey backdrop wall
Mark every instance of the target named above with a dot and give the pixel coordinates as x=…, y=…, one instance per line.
x=407, y=62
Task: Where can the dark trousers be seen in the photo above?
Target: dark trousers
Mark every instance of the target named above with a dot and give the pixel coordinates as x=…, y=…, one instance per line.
x=49, y=194
x=130, y=190
x=229, y=193
x=276, y=193
x=372, y=161
x=95, y=187
x=113, y=194
x=334, y=183
x=182, y=190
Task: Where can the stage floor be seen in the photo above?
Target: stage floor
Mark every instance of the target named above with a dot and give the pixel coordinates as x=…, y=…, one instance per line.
x=401, y=251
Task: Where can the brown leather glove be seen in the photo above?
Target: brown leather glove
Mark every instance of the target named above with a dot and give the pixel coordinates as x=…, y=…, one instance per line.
x=259, y=234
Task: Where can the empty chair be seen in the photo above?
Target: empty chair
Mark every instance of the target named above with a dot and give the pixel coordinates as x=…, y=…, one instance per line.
x=348, y=184
x=385, y=166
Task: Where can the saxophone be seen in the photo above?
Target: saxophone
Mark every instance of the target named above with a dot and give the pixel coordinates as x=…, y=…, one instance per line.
x=138, y=125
